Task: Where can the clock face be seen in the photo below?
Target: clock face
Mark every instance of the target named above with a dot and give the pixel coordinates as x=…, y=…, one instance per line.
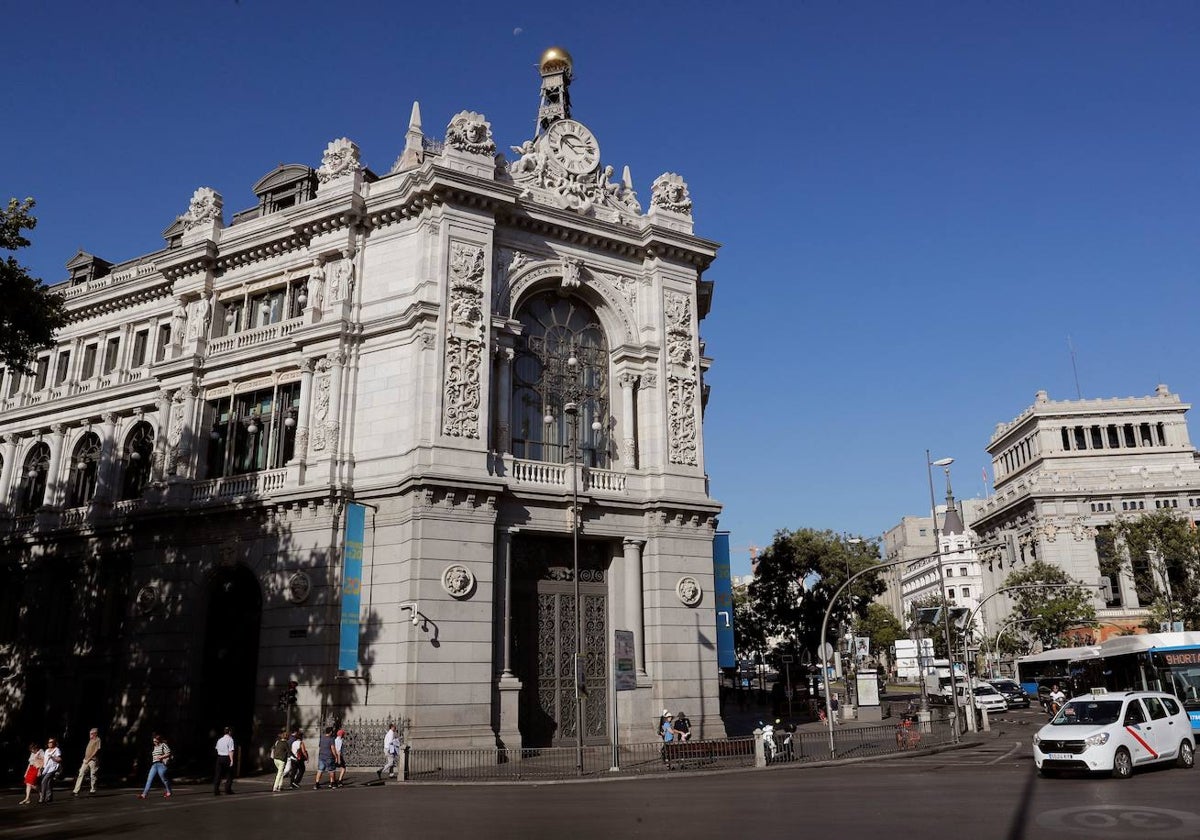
x=573, y=147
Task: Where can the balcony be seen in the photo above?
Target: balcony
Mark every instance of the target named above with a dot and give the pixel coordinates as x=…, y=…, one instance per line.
x=524, y=473
x=254, y=337
x=238, y=486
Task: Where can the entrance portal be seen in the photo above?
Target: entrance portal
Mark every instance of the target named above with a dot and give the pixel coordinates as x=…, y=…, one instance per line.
x=544, y=639
x=230, y=668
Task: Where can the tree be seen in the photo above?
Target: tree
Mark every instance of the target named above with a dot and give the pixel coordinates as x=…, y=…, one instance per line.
x=1051, y=607
x=749, y=634
x=881, y=627
x=937, y=631
x=30, y=314
x=1164, y=555
x=798, y=574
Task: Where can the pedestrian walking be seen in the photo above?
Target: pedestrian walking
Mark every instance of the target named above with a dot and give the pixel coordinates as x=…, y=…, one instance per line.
x=52, y=762
x=226, y=753
x=160, y=757
x=339, y=757
x=280, y=754
x=325, y=757
x=299, y=758
x=91, y=762
x=391, y=750
x=32, y=771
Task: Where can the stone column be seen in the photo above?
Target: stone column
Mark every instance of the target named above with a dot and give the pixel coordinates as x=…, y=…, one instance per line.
x=634, y=613
x=627, y=381
x=160, y=436
x=187, y=434
x=508, y=684
x=300, y=451
x=6, y=473
x=504, y=360
x=52, y=482
x=107, y=466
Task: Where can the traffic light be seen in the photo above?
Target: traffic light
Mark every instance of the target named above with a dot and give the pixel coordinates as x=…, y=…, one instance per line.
x=290, y=694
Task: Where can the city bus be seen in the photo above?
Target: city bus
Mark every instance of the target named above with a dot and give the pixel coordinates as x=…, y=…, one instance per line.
x=1167, y=662
x=1049, y=664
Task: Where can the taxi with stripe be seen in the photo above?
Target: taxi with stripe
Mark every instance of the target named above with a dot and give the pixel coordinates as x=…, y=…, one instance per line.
x=1114, y=732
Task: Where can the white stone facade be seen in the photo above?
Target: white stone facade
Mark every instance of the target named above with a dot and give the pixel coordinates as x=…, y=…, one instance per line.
x=1066, y=468
x=389, y=340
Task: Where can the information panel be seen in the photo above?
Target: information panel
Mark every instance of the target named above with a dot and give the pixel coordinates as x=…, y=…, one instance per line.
x=723, y=597
x=352, y=560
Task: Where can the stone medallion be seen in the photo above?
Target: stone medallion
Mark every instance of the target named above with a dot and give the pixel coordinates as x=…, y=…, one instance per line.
x=298, y=588
x=689, y=591
x=458, y=581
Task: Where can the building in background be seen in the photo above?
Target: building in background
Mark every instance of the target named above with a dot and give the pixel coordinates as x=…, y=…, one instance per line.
x=1065, y=470
x=492, y=356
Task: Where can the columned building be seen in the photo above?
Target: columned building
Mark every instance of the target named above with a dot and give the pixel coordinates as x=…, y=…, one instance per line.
x=500, y=358
x=1066, y=469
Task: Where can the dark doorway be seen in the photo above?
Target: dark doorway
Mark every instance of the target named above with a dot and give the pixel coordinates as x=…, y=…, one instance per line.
x=544, y=639
x=230, y=668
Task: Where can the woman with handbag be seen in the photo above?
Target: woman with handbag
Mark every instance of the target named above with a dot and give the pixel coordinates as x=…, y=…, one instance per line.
x=36, y=760
x=160, y=756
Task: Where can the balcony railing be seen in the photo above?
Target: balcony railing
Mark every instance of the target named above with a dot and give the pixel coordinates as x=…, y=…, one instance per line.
x=592, y=479
x=237, y=486
x=256, y=336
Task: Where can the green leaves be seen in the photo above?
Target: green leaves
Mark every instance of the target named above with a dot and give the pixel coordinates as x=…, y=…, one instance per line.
x=1049, y=602
x=30, y=314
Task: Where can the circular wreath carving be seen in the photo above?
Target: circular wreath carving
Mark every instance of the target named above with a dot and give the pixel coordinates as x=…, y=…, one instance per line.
x=298, y=588
x=689, y=591
x=458, y=581
x=146, y=600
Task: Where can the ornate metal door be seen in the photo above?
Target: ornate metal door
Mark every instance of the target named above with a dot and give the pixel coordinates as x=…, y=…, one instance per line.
x=546, y=649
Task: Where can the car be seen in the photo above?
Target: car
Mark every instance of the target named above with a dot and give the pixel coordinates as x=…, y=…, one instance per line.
x=1014, y=695
x=1114, y=732
x=986, y=698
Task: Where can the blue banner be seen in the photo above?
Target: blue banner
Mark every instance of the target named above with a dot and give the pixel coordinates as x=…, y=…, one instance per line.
x=723, y=594
x=352, y=560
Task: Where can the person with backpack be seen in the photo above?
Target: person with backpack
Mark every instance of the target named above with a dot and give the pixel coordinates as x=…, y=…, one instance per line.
x=160, y=757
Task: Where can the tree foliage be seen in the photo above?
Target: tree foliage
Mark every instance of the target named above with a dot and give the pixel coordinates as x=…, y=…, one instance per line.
x=1051, y=608
x=1163, y=549
x=30, y=314
x=799, y=573
x=937, y=631
x=749, y=632
x=881, y=626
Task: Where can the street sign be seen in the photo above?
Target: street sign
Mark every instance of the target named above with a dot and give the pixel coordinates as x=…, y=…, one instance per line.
x=626, y=670
x=825, y=652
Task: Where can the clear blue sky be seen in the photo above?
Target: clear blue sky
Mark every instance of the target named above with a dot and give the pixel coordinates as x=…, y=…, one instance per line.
x=919, y=202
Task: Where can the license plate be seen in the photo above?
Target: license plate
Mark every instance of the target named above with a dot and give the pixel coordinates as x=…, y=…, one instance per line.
x=1060, y=756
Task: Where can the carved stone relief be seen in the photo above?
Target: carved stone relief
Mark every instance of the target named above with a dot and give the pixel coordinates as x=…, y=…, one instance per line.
x=320, y=411
x=689, y=591
x=339, y=278
x=205, y=206
x=458, y=581
x=339, y=160
x=471, y=133
x=670, y=192
x=174, y=433
x=464, y=342
x=197, y=318
x=681, y=380
x=298, y=588
x=508, y=261
x=591, y=192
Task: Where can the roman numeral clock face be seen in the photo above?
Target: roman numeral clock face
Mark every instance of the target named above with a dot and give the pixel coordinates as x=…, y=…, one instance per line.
x=573, y=147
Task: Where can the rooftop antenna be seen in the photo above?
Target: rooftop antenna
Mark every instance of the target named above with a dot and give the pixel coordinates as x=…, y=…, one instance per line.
x=1074, y=368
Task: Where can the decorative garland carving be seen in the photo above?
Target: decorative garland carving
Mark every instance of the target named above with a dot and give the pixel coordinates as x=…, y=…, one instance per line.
x=317, y=434
x=681, y=380
x=464, y=342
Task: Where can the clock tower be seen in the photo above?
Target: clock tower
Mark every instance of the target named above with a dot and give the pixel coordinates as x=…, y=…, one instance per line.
x=556, y=68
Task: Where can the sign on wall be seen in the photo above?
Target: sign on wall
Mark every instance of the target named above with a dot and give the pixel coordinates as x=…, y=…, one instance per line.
x=625, y=668
x=723, y=596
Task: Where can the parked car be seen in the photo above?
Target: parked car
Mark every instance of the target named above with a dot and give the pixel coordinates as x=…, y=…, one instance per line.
x=986, y=698
x=1114, y=733
x=1013, y=694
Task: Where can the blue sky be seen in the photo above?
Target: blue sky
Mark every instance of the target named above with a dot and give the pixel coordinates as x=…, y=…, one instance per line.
x=918, y=202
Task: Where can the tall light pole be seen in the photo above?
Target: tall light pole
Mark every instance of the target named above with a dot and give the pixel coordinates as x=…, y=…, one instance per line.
x=937, y=545
x=569, y=389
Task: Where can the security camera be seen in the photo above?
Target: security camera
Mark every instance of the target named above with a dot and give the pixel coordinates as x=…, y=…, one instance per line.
x=416, y=619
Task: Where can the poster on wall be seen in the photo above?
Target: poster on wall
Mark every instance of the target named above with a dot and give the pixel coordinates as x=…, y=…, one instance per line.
x=352, y=561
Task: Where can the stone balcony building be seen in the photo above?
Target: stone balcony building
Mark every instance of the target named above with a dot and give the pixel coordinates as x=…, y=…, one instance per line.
x=465, y=345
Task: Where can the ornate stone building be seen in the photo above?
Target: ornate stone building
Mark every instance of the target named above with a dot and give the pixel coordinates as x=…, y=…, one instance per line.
x=1064, y=471
x=493, y=355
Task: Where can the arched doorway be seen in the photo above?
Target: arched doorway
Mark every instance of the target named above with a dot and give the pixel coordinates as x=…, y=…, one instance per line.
x=230, y=667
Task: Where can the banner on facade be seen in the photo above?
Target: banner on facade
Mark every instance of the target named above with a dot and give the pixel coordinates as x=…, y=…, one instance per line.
x=723, y=597
x=352, y=560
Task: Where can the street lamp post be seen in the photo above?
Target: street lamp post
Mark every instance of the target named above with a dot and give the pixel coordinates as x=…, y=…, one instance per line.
x=937, y=544
x=568, y=389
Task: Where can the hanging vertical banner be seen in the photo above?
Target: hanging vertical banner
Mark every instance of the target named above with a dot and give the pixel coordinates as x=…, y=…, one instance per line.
x=723, y=595
x=352, y=560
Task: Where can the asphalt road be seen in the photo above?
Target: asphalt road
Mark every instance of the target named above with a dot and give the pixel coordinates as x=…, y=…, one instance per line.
x=984, y=792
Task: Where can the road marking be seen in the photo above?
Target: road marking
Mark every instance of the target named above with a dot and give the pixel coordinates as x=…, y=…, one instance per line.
x=1016, y=746
x=1120, y=822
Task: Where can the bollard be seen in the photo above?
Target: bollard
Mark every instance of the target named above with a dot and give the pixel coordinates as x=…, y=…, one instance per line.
x=404, y=774
x=987, y=727
x=760, y=755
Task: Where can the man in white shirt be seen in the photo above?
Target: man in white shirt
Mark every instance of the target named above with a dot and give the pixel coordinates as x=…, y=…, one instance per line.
x=391, y=749
x=50, y=772
x=226, y=751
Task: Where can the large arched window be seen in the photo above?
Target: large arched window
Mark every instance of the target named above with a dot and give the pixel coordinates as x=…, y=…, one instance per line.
x=561, y=360
x=136, y=459
x=32, y=490
x=85, y=466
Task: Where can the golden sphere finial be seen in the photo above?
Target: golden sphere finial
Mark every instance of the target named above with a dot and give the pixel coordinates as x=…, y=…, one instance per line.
x=554, y=60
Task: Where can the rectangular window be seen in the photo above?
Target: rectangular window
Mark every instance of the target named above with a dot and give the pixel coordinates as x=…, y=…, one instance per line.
x=140, y=339
x=64, y=364
x=1080, y=438
x=1097, y=438
x=949, y=573
x=41, y=372
x=1114, y=439
x=164, y=341
x=966, y=591
x=259, y=433
x=110, y=355
x=962, y=571
x=950, y=594
x=89, y=362
x=14, y=383
x=267, y=308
